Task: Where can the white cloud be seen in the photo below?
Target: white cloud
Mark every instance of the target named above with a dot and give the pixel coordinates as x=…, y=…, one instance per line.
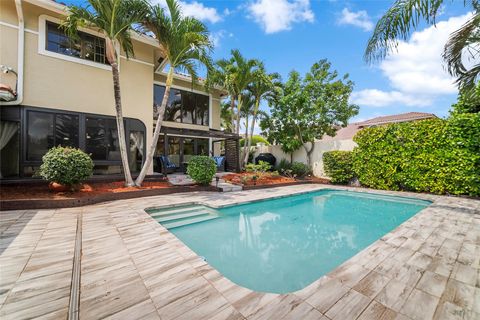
x=358, y=19
x=415, y=71
x=217, y=36
x=379, y=98
x=197, y=10
x=279, y=15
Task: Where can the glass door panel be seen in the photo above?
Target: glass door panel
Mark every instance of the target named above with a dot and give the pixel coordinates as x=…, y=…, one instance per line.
x=174, y=150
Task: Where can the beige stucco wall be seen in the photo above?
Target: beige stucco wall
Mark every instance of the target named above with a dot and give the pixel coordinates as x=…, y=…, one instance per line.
x=56, y=83
x=317, y=157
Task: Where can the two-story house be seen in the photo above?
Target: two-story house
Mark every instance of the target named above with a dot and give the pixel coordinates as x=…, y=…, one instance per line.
x=59, y=92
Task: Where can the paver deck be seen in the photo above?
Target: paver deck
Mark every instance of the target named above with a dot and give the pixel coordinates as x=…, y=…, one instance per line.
x=133, y=268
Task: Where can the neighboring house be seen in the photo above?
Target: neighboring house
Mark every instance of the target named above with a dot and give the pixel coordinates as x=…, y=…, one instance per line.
x=349, y=131
x=343, y=140
x=65, y=97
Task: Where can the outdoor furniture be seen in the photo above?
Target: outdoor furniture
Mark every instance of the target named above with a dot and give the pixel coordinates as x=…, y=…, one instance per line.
x=220, y=162
x=165, y=165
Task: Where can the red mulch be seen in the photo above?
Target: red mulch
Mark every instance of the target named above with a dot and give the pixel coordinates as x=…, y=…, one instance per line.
x=41, y=191
x=265, y=179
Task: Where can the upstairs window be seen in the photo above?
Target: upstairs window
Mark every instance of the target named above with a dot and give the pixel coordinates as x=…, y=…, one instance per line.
x=87, y=46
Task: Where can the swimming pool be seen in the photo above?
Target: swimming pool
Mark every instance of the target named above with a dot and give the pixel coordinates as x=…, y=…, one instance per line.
x=283, y=245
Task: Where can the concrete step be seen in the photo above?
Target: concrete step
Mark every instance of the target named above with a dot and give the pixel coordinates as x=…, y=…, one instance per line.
x=179, y=216
x=188, y=221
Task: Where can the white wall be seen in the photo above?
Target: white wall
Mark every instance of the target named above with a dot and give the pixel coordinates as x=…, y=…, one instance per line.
x=317, y=156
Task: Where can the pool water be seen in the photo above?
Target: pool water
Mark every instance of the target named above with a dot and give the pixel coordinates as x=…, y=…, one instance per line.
x=283, y=245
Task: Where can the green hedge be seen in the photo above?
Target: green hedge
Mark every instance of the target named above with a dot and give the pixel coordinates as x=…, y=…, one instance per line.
x=438, y=156
x=338, y=166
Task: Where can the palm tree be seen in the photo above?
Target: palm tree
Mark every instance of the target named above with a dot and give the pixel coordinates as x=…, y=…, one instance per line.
x=115, y=19
x=262, y=86
x=185, y=45
x=405, y=15
x=245, y=113
x=226, y=117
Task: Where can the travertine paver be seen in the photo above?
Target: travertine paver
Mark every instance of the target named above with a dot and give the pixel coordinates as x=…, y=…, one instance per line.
x=133, y=268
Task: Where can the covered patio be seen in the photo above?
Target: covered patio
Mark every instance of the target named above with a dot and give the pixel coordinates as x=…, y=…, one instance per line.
x=178, y=145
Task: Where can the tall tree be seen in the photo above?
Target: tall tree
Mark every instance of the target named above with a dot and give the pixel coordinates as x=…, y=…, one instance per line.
x=234, y=74
x=263, y=85
x=115, y=19
x=185, y=45
x=309, y=108
x=405, y=15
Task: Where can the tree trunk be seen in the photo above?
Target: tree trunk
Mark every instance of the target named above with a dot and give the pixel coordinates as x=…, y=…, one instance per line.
x=252, y=128
x=120, y=126
x=239, y=108
x=156, y=134
x=309, y=153
x=232, y=107
x=245, y=148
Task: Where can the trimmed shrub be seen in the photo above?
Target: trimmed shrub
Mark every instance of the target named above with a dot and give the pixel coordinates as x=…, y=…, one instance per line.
x=201, y=169
x=300, y=169
x=67, y=166
x=437, y=156
x=338, y=166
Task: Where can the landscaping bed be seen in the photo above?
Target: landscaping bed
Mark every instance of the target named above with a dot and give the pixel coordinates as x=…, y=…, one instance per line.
x=38, y=196
x=266, y=180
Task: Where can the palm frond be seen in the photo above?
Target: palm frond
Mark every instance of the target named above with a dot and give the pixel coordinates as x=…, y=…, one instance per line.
x=464, y=46
x=396, y=24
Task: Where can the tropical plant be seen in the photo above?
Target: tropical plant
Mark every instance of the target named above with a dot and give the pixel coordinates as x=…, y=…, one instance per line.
x=261, y=167
x=201, y=169
x=307, y=109
x=226, y=117
x=65, y=165
x=263, y=85
x=245, y=113
x=405, y=15
x=185, y=45
x=338, y=166
x=300, y=169
x=255, y=140
x=115, y=19
x=234, y=74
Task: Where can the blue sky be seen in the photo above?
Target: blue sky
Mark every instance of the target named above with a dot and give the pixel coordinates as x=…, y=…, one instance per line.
x=293, y=34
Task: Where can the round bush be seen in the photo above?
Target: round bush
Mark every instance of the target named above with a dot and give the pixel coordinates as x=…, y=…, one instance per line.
x=67, y=166
x=201, y=169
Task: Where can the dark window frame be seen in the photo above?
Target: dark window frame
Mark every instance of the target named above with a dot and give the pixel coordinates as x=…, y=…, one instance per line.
x=130, y=124
x=83, y=42
x=194, y=116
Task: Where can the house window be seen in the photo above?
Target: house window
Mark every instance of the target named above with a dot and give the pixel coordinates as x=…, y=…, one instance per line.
x=87, y=46
x=46, y=130
x=182, y=106
x=102, y=138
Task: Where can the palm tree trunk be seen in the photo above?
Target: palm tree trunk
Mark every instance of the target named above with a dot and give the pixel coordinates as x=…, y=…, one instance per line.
x=245, y=149
x=156, y=134
x=120, y=126
x=239, y=108
x=232, y=107
x=252, y=128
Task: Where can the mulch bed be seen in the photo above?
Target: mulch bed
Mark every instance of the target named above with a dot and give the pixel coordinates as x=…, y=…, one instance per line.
x=267, y=180
x=38, y=196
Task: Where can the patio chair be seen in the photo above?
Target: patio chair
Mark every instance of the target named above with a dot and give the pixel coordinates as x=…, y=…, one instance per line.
x=220, y=162
x=165, y=165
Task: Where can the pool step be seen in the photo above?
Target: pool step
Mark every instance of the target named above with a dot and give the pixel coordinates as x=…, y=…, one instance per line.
x=176, y=210
x=184, y=215
x=184, y=222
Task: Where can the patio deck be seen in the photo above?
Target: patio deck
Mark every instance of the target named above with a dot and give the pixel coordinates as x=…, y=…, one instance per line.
x=133, y=268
